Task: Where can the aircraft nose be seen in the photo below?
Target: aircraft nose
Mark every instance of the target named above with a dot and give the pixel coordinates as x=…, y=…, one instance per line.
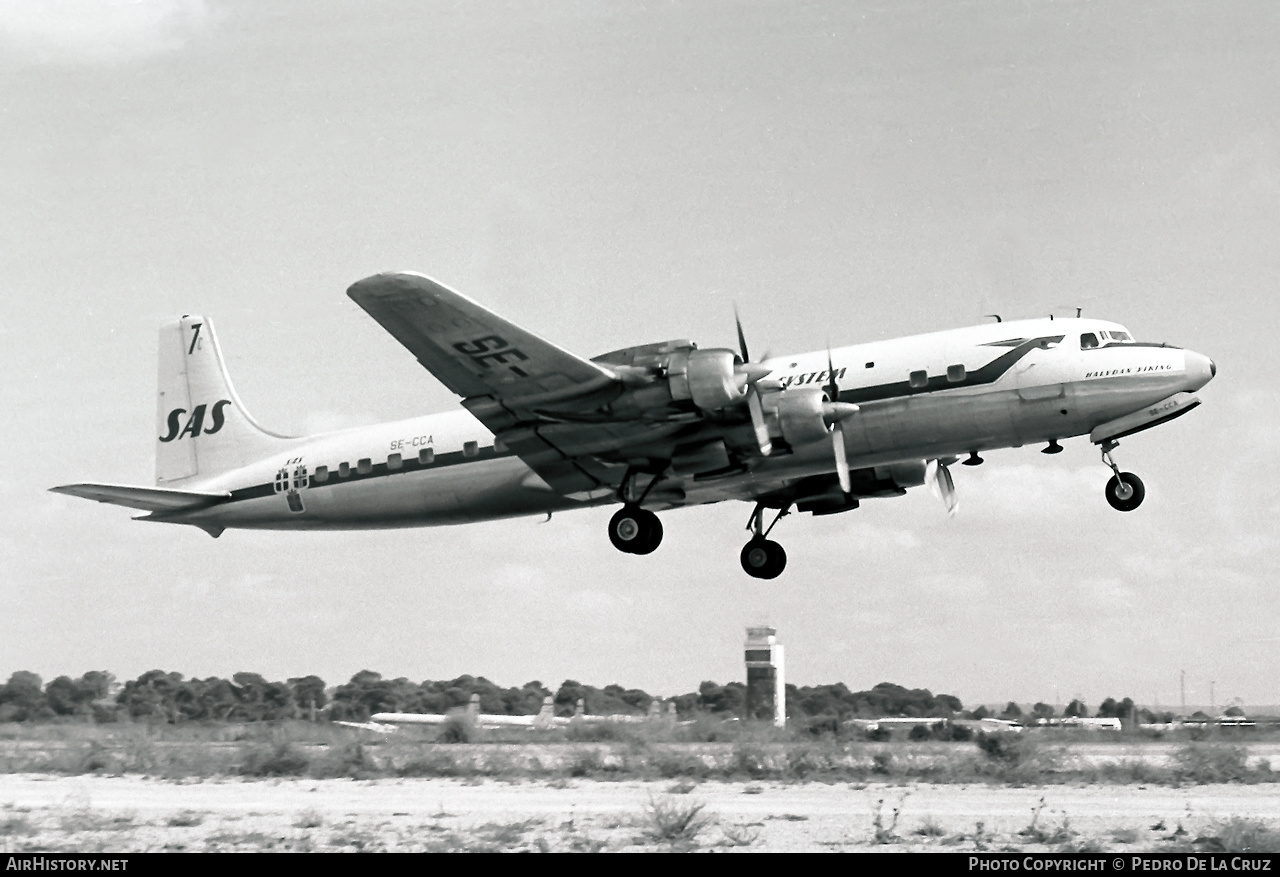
x=1200, y=370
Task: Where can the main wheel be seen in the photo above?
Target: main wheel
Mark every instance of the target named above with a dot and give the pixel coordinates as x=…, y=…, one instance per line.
x=763, y=559
x=635, y=530
x=1126, y=492
x=651, y=535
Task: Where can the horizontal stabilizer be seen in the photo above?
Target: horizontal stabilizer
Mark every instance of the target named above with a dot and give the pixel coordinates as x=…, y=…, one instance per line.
x=151, y=499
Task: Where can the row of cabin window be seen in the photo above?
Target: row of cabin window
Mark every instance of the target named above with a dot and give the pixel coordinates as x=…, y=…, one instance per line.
x=918, y=379
x=364, y=466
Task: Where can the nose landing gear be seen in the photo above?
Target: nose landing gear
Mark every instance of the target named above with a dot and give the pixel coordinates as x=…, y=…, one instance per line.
x=1125, y=491
x=761, y=557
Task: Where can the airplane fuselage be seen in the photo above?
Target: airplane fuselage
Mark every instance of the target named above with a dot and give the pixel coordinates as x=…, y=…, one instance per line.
x=925, y=397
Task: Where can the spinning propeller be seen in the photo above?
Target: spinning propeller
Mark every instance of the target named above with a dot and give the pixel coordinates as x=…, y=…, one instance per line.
x=834, y=412
x=838, y=411
x=753, y=373
x=941, y=484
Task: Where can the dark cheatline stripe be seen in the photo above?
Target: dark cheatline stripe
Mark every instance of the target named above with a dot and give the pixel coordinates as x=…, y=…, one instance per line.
x=379, y=470
x=989, y=373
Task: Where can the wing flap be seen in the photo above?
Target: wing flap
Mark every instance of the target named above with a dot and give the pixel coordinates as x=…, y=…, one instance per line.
x=150, y=499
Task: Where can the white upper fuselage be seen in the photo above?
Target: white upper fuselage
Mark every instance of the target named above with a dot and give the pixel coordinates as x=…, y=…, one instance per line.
x=922, y=397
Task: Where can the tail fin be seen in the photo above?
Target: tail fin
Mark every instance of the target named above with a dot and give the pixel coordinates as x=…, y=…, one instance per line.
x=202, y=426
x=546, y=717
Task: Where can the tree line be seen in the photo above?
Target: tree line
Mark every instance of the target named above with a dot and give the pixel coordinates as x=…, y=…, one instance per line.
x=248, y=697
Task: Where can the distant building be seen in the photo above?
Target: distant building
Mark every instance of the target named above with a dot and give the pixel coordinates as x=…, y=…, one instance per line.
x=766, y=676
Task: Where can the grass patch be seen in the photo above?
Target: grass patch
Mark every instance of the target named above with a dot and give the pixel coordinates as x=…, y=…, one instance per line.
x=709, y=749
x=743, y=835
x=16, y=824
x=84, y=819
x=1212, y=763
x=674, y=821
x=1240, y=835
x=929, y=827
x=309, y=819
x=281, y=760
x=185, y=819
x=882, y=833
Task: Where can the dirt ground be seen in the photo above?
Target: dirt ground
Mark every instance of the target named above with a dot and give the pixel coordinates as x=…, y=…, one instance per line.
x=131, y=813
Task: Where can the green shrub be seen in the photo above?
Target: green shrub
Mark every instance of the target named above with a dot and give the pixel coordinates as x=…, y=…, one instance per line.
x=457, y=729
x=1240, y=835
x=349, y=760
x=600, y=732
x=751, y=759
x=920, y=732
x=431, y=764
x=1209, y=763
x=670, y=764
x=821, y=726
x=674, y=821
x=1007, y=748
x=281, y=760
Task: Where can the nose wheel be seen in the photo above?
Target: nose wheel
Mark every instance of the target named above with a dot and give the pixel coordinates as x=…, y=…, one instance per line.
x=761, y=557
x=1125, y=491
x=635, y=530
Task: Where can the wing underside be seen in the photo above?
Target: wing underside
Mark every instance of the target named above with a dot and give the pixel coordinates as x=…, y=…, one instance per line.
x=521, y=387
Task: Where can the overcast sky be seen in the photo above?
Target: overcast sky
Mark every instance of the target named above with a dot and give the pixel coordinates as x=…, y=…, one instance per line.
x=610, y=174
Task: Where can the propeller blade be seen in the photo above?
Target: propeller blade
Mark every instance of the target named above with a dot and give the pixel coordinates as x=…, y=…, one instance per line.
x=757, y=421
x=942, y=485
x=742, y=338
x=831, y=389
x=842, y=461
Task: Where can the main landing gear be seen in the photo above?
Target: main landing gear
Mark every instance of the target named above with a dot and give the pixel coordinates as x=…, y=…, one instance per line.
x=1125, y=490
x=761, y=557
x=633, y=529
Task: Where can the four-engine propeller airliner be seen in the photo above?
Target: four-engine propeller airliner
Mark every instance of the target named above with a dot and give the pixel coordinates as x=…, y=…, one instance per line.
x=653, y=427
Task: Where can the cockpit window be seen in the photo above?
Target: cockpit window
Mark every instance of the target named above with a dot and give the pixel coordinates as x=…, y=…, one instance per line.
x=1088, y=341
x=1118, y=335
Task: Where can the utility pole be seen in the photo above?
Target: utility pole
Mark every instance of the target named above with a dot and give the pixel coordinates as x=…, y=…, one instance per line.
x=1182, y=687
x=1212, y=703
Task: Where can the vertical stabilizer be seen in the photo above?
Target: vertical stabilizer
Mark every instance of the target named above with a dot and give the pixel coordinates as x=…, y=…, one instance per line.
x=202, y=428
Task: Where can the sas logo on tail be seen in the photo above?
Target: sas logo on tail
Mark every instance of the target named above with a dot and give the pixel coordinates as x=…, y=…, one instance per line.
x=195, y=422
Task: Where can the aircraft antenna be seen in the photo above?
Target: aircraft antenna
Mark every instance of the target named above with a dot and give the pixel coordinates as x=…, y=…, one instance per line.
x=997, y=316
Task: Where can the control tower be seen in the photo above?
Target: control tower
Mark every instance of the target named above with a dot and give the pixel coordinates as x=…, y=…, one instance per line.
x=766, y=678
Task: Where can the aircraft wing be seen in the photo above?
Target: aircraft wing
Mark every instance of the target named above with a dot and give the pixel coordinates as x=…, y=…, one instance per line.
x=472, y=350
x=523, y=388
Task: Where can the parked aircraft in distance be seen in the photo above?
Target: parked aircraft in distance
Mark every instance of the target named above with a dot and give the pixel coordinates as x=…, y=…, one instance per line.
x=653, y=427
x=545, y=719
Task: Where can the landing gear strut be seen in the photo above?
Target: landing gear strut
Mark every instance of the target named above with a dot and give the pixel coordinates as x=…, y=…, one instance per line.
x=1125, y=490
x=761, y=557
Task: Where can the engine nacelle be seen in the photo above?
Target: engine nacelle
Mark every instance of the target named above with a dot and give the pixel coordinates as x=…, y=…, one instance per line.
x=797, y=415
x=901, y=475
x=708, y=378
